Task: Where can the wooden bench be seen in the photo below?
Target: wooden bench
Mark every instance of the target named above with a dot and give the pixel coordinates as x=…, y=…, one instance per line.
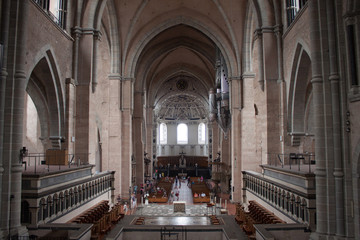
x=200, y=188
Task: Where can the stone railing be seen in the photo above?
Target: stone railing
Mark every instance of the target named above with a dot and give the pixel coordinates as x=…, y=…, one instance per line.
x=60, y=196
x=290, y=201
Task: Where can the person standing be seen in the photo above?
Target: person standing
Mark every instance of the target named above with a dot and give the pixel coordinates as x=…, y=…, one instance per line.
x=177, y=193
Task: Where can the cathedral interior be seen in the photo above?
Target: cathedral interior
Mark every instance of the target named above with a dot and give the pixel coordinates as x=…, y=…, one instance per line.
x=249, y=108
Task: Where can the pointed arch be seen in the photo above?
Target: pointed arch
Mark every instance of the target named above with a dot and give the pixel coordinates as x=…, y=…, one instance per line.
x=300, y=91
x=46, y=90
x=219, y=41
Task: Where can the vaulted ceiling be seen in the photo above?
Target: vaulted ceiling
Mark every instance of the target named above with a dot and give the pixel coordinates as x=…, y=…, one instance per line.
x=164, y=48
x=180, y=73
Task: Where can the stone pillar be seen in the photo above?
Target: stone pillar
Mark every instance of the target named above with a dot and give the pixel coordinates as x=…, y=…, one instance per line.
x=70, y=117
x=248, y=126
x=138, y=139
x=259, y=41
x=96, y=39
x=34, y=216
x=282, y=89
x=318, y=103
x=236, y=160
x=83, y=99
x=271, y=91
x=5, y=19
x=13, y=110
x=115, y=147
x=226, y=159
x=126, y=135
x=336, y=125
x=149, y=136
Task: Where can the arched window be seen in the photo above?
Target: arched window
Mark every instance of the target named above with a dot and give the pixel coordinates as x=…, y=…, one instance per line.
x=163, y=133
x=56, y=9
x=292, y=8
x=201, y=133
x=182, y=133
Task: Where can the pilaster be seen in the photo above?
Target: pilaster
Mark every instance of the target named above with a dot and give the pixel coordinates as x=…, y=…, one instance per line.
x=236, y=134
x=138, y=137
x=115, y=145
x=126, y=135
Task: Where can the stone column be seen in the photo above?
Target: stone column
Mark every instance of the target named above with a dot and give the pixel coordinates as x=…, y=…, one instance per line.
x=248, y=125
x=5, y=18
x=336, y=102
x=226, y=159
x=149, y=136
x=83, y=98
x=96, y=40
x=115, y=147
x=282, y=89
x=318, y=103
x=34, y=216
x=13, y=127
x=138, y=139
x=70, y=117
x=236, y=160
x=260, y=57
x=271, y=91
x=126, y=135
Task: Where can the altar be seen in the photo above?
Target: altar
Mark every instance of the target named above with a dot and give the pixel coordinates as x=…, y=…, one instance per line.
x=179, y=206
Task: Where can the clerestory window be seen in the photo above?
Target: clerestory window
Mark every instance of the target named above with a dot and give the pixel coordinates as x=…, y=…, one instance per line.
x=163, y=133
x=56, y=9
x=201, y=133
x=292, y=8
x=182, y=133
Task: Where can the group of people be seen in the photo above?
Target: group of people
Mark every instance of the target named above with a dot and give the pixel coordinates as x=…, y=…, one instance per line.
x=199, y=195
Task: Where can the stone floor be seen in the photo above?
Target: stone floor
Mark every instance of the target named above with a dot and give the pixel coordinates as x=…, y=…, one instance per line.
x=195, y=223
x=168, y=210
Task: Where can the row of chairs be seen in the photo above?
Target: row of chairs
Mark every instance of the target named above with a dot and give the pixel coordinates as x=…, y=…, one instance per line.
x=101, y=218
x=214, y=220
x=257, y=214
x=93, y=214
x=140, y=221
x=104, y=224
x=262, y=215
x=244, y=220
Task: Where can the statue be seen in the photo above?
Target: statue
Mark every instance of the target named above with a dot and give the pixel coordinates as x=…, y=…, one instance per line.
x=217, y=159
x=182, y=161
x=146, y=158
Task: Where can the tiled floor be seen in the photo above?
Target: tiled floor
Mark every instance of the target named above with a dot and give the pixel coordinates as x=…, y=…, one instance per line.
x=177, y=221
x=191, y=209
x=195, y=216
x=168, y=210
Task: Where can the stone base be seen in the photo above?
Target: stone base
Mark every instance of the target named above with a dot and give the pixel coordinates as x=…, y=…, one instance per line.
x=179, y=206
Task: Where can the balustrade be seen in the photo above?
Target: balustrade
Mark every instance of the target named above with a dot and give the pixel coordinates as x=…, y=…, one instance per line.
x=293, y=203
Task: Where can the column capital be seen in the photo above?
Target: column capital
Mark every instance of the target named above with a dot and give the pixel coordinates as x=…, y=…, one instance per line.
x=316, y=79
x=124, y=78
x=247, y=75
x=70, y=81
x=97, y=35
x=234, y=78
x=114, y=76
x=268, y=29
